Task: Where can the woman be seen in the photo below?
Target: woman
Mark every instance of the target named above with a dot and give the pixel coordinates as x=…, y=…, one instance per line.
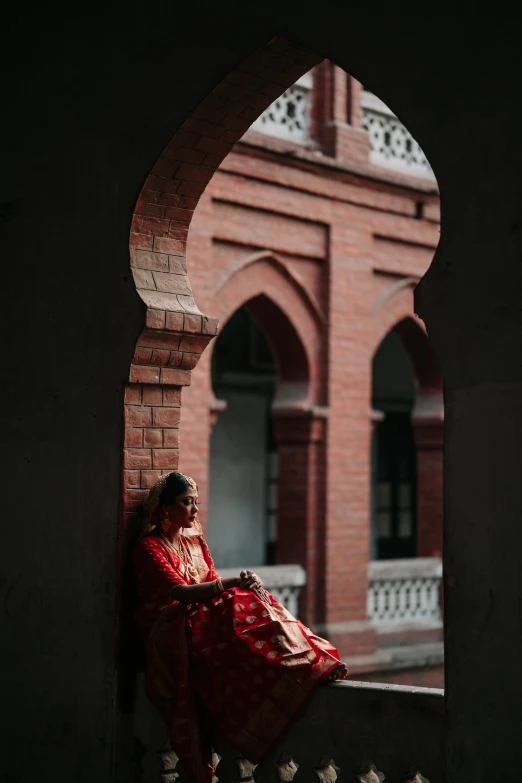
x=222, y=654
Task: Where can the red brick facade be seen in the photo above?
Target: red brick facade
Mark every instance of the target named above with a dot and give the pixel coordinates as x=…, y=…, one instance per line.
x=334, y=246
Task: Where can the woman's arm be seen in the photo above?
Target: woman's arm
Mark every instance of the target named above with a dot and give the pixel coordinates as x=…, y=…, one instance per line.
x=193, y=594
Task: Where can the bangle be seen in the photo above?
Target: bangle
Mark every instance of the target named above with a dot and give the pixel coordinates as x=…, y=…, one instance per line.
x=218, y=586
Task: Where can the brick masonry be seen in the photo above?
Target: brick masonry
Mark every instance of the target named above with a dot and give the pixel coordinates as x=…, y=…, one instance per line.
x=335, y=246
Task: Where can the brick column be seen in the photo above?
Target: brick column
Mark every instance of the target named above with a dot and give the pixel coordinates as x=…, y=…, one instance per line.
x=301, y=512
x=353, y=99
x=429, y=438
x=167, y=350
x=336, y=114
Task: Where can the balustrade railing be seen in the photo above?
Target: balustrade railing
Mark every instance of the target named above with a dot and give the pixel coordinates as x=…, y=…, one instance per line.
x=285, y=582
x=288, y=117
x=391, y=145
x=354, y=731
x=404, y=591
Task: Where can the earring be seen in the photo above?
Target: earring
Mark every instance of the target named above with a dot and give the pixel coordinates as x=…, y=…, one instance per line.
x=165, y=522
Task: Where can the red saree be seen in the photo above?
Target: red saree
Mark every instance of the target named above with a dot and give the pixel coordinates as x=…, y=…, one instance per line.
x=231, y=664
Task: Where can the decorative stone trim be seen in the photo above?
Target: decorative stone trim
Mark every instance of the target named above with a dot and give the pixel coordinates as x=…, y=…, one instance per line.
x=402, y=591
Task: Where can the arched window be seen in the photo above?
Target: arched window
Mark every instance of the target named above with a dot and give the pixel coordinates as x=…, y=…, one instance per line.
x=242, y=524
x=394, y=460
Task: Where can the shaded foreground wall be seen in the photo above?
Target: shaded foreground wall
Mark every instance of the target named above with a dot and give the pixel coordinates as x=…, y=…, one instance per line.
x=91, y=100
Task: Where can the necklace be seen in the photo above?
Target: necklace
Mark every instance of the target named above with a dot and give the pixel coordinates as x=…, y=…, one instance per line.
x=184, y=555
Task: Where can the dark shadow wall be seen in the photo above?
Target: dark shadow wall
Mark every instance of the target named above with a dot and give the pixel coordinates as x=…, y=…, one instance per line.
x=89, y=99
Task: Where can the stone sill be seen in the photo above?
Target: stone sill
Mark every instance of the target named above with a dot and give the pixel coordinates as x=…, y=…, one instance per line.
x=379, y=687
x=408, y=568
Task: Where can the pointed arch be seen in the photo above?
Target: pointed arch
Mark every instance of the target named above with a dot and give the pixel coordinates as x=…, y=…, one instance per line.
x=396, y=314
x=286, y=314
x=269, y=257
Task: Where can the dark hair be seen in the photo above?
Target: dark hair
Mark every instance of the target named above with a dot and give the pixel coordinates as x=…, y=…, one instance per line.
x=175, y=484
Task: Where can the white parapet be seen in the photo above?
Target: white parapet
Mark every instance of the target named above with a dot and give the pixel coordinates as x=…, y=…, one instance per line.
x=288, y=117
x=403, y=591
x=391, y=144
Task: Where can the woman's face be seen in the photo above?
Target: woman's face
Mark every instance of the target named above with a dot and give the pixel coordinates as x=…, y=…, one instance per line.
x=183, y=512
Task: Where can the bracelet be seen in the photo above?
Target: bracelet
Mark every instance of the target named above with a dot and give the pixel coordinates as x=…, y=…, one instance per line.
x=217, y=586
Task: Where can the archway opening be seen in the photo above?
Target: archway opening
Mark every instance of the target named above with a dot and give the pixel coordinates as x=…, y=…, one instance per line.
x=297, y=156
x=242, y=521
x=394, y=463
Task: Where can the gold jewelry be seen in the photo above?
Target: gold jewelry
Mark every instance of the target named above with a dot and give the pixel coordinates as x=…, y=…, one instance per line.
x=184, y=555
x=219, y=583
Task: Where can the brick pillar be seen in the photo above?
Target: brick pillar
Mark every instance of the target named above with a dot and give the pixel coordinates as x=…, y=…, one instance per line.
x=167, y=350
x=336, y=114
x=429, y=438
x=300, y=534
x=353, y=99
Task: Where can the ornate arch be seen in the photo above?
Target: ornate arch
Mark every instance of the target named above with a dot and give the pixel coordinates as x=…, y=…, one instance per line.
x=288, y=316
x=175, y=331
x=170, y=195
x=268, y=257
x=395, y=313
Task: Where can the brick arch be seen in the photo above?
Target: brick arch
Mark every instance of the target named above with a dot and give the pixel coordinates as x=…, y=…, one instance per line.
x=171, y=192
x=272, y=259
x=292, y=325
x=175, y=331
x=396, y=314
x=427, y=416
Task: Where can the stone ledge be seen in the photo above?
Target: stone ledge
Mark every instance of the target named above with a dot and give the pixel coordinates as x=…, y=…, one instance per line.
x=299, y=154
x=408, y=568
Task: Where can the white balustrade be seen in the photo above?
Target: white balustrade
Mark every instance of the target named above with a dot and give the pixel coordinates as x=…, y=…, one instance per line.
x=288, y=117
x=391, y=145
x=285, y=582
x=404, y=591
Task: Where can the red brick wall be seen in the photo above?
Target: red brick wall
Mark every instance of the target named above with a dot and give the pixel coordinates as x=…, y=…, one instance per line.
x=372, y=241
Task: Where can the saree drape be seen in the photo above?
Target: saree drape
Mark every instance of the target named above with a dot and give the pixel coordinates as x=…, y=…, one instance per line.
x=232, y=664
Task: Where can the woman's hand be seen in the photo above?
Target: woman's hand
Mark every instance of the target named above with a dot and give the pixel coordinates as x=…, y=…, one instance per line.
x=251, y=581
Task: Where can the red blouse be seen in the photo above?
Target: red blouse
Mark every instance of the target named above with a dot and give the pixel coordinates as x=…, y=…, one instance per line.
x=158, y=569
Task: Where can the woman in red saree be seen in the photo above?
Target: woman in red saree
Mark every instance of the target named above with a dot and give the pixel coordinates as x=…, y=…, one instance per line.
x=222, y=654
